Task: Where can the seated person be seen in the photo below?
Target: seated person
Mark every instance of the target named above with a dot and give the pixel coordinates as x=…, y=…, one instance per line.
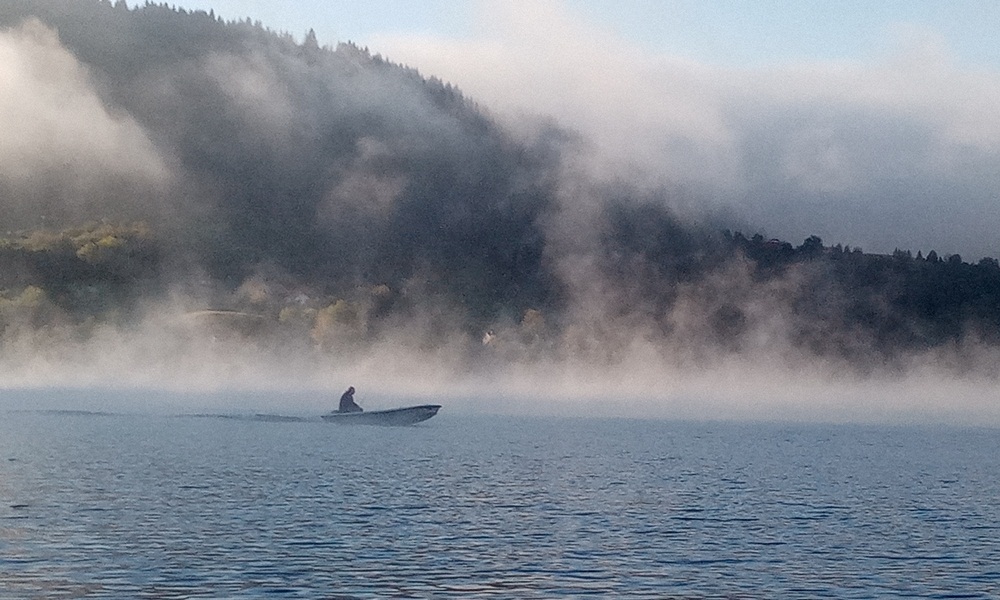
x=347, y=404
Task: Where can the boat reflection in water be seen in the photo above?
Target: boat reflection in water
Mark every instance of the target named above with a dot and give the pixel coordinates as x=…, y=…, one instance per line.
x=396, y=416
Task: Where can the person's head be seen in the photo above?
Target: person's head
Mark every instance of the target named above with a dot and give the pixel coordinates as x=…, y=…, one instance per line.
x=350, y=390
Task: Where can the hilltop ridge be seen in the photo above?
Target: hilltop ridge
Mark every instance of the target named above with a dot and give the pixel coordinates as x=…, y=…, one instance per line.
x=337, y=198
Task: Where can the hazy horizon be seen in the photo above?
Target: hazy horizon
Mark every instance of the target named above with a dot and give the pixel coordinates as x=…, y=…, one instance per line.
x=272, y=174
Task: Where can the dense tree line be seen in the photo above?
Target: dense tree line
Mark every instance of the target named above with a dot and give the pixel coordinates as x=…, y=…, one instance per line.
x=333, y=194
x=900, y=301
x=867, y=309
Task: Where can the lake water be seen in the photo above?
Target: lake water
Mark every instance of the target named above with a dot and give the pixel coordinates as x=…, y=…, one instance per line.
x=141, y=506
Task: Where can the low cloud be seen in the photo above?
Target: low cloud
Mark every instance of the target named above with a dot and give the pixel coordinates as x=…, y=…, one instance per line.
x=57, y=129
x=899, y=150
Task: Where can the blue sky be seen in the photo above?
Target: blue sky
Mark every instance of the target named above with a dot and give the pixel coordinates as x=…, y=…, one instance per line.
x=723, y=32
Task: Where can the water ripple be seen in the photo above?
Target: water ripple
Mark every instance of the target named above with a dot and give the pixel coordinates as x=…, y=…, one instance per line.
x=143, y=507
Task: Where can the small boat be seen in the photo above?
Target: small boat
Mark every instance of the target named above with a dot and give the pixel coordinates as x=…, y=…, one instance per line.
x=396, y=416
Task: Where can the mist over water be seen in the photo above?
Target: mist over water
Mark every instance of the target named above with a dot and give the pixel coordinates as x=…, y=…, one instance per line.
x=235, y=381
x=499, y=269
x=208, y=231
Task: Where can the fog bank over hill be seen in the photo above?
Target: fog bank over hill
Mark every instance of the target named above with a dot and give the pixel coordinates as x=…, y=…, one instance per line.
x=193, y=204
x=898, y=150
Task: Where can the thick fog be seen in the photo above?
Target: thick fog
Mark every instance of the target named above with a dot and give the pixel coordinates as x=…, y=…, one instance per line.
x=64, y=153
x=896, y=150
x=510, y=247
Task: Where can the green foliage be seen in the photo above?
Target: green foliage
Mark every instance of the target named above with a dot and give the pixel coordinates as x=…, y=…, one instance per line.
x=95, y=268
x=901, y=303
x=338, y=322
x=28, y=309
x=85, y=240
x=31, y=298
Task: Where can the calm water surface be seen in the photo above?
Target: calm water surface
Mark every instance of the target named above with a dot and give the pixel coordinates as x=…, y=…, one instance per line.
x=125, y=506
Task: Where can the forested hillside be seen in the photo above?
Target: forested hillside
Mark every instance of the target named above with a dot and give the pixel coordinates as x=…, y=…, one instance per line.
x=326, y=198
